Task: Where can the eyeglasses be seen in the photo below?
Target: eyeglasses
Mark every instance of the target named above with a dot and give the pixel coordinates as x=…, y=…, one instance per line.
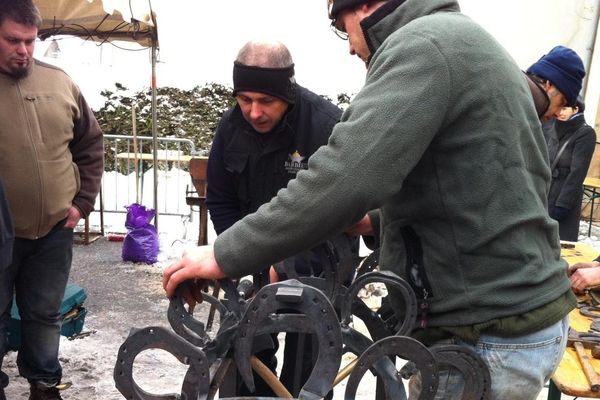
x=338, y=32
x=341, y=33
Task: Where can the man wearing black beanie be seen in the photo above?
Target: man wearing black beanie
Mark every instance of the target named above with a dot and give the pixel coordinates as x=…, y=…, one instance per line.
x=259, y=146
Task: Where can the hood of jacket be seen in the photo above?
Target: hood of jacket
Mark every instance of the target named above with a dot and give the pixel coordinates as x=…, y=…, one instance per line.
x=395, y=14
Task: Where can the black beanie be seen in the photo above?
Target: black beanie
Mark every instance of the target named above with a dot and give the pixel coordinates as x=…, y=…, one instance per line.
x=278, y=82
x=564, y=69
x=336, y=6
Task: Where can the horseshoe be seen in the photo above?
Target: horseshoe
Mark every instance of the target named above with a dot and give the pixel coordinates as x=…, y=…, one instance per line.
x=401, y=346
x=385, y=369
x=192, y=330
x=478, y=383
x=322, y=320
x=196, y=383
x=394, y=281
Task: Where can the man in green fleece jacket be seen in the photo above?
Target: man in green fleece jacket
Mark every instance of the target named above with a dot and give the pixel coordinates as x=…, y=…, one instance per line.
x=444, y=140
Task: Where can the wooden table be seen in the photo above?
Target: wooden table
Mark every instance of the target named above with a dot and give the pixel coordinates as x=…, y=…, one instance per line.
x=569, y=377
x=591, y=188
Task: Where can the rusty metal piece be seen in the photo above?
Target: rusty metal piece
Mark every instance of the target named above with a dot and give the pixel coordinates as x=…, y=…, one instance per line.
x=197, y=379
x=588, y=311
x=587, y=339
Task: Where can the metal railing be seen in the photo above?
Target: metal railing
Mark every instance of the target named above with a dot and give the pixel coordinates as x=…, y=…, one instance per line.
x=129, y=177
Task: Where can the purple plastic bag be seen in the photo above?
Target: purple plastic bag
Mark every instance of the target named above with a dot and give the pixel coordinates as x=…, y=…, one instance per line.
x=141, y=241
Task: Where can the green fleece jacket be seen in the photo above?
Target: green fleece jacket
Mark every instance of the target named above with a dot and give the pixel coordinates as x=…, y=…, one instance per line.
x=51, y=149
x=445, y=140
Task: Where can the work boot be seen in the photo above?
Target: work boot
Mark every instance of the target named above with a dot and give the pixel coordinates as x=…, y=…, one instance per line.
x=44, y=393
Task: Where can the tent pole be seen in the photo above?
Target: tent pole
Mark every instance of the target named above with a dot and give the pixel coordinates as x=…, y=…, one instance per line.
x=154, y=133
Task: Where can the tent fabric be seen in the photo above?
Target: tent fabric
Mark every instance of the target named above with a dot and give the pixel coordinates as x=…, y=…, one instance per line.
x=100, y=21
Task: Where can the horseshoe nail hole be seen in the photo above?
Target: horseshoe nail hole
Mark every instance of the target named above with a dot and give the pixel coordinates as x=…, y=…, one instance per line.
x=158, y=372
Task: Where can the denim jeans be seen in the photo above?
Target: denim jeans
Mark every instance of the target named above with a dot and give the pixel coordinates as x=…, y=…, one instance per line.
x=38, y=276
x=519, y=366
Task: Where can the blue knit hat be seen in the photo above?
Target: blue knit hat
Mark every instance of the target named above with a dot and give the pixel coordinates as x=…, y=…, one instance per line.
x=564, y=69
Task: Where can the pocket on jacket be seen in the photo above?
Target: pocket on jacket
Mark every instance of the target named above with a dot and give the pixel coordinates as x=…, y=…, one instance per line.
x=235, y=162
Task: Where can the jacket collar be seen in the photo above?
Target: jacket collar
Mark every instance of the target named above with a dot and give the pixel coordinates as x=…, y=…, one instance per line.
x=568, y=127
x=394, y=14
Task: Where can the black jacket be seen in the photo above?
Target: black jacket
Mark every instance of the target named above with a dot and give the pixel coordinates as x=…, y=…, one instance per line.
x=6, y=230
x=246, y=168
x=566, y=190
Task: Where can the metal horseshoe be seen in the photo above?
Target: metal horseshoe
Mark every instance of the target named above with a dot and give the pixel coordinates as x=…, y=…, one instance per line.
x=196, y=383
x=322, y=322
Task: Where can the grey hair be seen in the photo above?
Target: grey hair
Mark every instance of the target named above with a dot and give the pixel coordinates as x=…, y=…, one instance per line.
x=21, y=11
x=265, y=54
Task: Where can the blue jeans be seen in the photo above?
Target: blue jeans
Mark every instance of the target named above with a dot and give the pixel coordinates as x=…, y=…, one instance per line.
x=38, y=276
x=519, y=366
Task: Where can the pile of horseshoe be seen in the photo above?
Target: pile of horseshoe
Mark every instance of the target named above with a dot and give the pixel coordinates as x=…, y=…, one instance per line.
x=318, y=305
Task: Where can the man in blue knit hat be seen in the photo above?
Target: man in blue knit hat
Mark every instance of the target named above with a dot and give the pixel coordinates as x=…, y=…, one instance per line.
x=558, y=75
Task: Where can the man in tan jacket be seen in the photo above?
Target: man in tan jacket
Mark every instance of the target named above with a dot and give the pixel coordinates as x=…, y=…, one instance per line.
x=51, y=163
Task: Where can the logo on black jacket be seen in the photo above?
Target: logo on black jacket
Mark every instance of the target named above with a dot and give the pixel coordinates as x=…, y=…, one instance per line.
x=295, y=163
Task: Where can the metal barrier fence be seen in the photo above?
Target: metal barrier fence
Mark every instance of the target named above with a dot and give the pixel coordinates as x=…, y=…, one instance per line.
x=129, y=175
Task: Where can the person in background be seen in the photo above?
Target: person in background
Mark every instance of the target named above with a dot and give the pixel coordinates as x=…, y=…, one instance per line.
x=51, y=163
x=259, y=146
x=555, y=81
x=461, y=185
x=571, y=144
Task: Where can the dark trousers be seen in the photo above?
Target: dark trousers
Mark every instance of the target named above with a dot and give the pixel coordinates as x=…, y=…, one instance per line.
x=38, y=275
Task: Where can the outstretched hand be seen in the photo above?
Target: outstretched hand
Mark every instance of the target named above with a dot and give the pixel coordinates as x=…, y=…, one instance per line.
x=584, y=275
x=197, y=264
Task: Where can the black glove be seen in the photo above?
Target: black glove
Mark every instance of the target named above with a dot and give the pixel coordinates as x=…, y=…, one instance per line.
x=558, y=213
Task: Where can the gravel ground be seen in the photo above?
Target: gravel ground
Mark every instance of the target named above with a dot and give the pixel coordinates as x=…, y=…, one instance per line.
x=122, y=295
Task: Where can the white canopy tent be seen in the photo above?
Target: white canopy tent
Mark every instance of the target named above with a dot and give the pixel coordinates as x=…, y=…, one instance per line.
x=107, y=21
